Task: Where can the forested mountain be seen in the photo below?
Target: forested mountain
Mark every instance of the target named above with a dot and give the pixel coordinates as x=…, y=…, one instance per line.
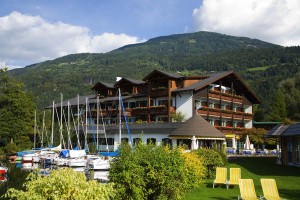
x=263, y=65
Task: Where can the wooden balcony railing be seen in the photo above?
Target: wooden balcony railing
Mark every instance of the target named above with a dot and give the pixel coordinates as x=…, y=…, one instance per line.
x=158, y=109
x=225, y=113
x=225, y=96
x=229, y=129
x=159, y=91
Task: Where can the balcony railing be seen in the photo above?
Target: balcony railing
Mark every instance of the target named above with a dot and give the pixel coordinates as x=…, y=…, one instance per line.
x=162, y=109
x=225, y=113
x=225, y=96
x=229, y=129
x=159, y=91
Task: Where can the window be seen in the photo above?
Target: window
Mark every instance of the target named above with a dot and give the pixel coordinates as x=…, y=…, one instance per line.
x=211, y=104
x=124, y=140
x=151, y=141
x=198, y=104
x=143, y=103
x=163, y=102
x=223, y=106
x=185, y=143
x=131, y=104
x=211, y=121
x=137, y=140
x=234, y=108
x=223, y=123
x=234, y=124
x=125, y=104
x=167, y=141
x=229, y=143
x=151, y=102
x=110, y=141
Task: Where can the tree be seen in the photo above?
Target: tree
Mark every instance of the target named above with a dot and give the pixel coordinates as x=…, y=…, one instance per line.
x=212, y=159
x=62, y=184
x=153, y=172
x=257, y=137
x=291, y=90
x=278, y=108
x=177, y=117
x=16, y=112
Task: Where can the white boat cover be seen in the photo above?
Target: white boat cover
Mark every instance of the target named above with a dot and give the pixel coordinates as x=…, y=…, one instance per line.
x=77, y=153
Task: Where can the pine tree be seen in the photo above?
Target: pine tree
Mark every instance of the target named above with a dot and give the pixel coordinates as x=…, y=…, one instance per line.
x=278, y=110
x=16, y=112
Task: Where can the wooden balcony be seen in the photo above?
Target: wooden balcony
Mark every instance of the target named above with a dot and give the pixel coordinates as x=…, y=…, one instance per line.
x=225, y=113
x=225, y=96
x=140, y=111
x=160, y=91
x=228, y=129
x=159, y=110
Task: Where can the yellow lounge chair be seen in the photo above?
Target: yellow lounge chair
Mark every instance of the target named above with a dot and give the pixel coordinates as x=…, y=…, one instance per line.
x=247, y=190
x=235, y=175
x=221, y=176
x=270, y=190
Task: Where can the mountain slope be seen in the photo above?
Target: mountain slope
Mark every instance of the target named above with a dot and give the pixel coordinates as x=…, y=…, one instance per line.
x=199, y=52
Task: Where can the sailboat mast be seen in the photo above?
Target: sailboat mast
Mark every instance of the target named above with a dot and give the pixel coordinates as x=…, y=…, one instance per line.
x=61, y=118
x=34, y=139
x=69, y=124
x=120, y=118
x=97, y=130
x=43, y=129
x=78, y=115
x=86, y=121
x=52, y=124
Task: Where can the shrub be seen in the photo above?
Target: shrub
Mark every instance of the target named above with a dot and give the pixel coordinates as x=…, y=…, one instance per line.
x=211, y=160
x=150, y=172
x=61, y=184
x=194, y=168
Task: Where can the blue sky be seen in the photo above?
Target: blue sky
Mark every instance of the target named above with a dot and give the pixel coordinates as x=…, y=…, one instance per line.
x=141, y=18
x=37, y=30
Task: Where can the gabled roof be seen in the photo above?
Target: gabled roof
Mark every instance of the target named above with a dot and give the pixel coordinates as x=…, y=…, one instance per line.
x=167, y=74
x=292, y=130
x=215, y=77
x=277, y=130
x=197, y=126
x=130, y=80
x=106, y=85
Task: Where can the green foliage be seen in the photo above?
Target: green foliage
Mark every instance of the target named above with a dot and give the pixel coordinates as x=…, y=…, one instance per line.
x=278, y=108
x=194, y=168
x=262, y=65
x=16, y=112
x=257, y=137
x=177, y=117
x=199, y=52
x=291, y=89
x=212, y=159
x=61, y=184
x=151, y=172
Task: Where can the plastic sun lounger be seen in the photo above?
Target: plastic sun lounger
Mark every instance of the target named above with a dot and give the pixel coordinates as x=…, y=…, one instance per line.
x=270, y=190
x=247, y=190
x=235, y=175
x=221, y=176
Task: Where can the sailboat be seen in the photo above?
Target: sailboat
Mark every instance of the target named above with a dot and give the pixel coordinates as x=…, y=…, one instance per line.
x=77, y=157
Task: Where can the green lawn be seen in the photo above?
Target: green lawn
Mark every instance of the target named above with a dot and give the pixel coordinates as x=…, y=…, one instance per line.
x=258, y=68
x=287, y=179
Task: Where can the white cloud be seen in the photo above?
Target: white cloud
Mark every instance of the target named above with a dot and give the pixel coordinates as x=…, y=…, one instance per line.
x=29, y=39
x=275, y=21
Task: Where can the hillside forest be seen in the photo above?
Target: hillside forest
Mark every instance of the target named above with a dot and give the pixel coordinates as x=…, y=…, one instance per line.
x=265, y=67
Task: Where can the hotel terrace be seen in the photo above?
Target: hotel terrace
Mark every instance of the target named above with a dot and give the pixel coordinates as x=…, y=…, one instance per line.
x=223, y=99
